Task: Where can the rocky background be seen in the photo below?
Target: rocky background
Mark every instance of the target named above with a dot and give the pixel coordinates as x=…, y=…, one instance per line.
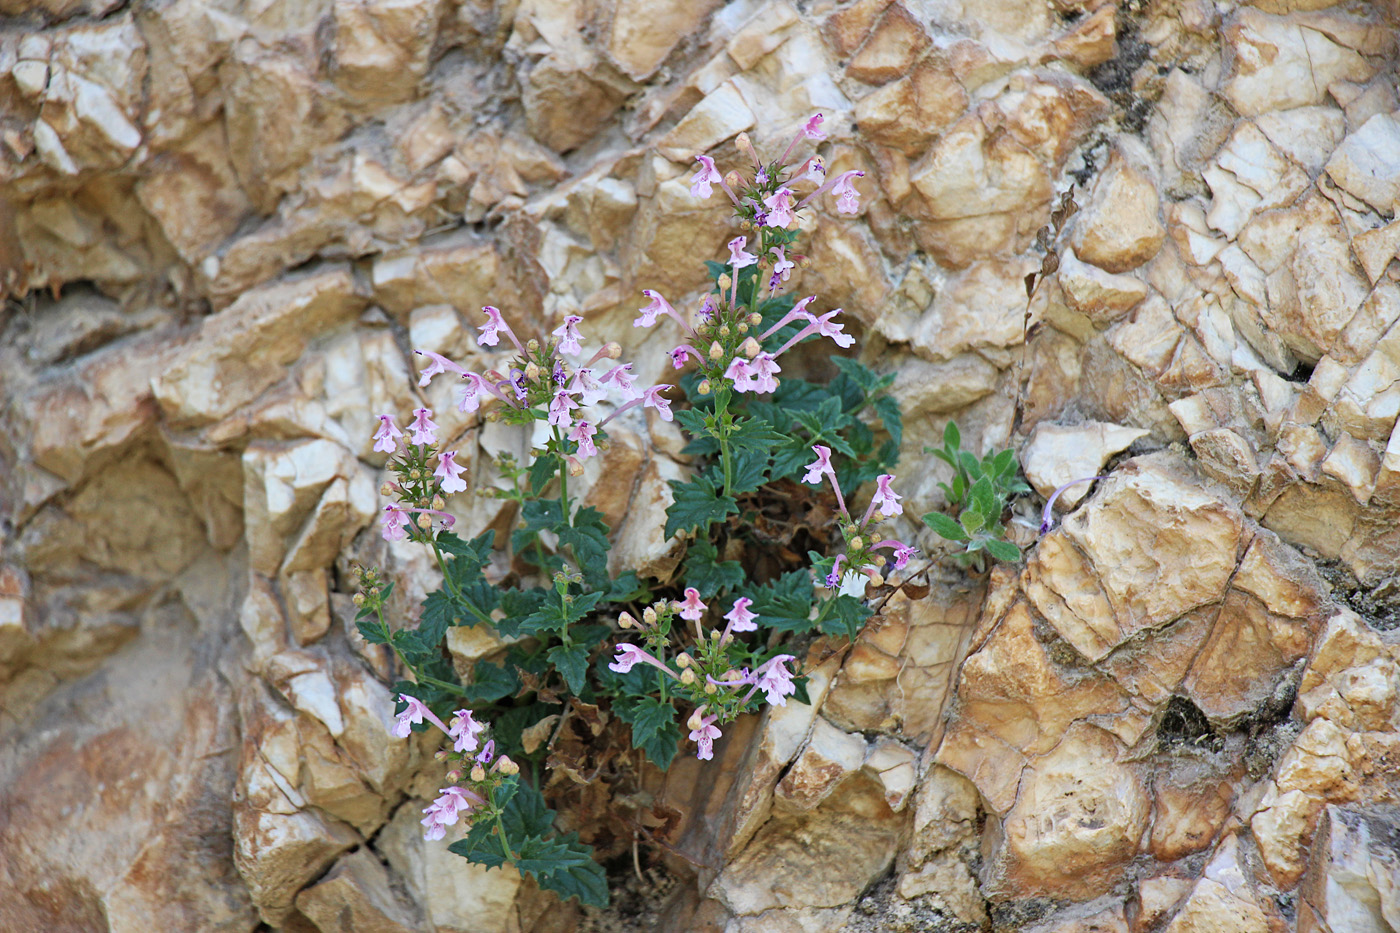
x=223, y=224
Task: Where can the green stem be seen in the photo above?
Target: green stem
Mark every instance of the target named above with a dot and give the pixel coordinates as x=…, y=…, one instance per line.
x=417, y=676
x=563, y=474
x=722, y=435
x=452, y=587
x=500, y=827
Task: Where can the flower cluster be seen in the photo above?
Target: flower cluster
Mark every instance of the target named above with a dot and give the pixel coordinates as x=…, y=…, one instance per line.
x=484, y=774
x=861, y=560
x=707, y=672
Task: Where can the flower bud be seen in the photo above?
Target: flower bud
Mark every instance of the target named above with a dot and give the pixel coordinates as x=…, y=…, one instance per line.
x=453, y=776
x=424, y=521
x=605, y=444
x=532, y=371
x=733, y=179
x=687, y=677
x=478, y=773
x=612, y=350
x=439, y=503
x=697, y=719
x=649, y=615
x=751, y=348
x=742, y=142
x=879, y=560
x=575, y=467
x=493, y=416
x=358, y=599
x=743, y=327
x=724, y=281
x=755, y=319
x=724, y=330
x=711, y=689
x=704, y=387
x=440, y=754
x=532, y=345
x=626, y=621
x=877, y=579
x=731, y=675
x=505, y=766
x=857, y=543
x=387, y=489
x=415, y=474
x=804, y=262
x=716, y=351
x=746, y=225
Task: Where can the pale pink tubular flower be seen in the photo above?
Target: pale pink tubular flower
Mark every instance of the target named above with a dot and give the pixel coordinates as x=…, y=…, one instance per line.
x=902, y=551
x=822, y=467
x=651, y=398
x=658, y=305
x=488, y=752
x=491, y=330
x=765, y=370
x=799, y=312
x=464, y=731
x=628, y=656
x=437, y=364
x=833, y=579
x=472, y=388
x=811, y=130
x=775, y=680
x=704, y=178
x=704, y=738
x=679, y=354
x=741, y=374
x=449, y=474
x=396, y=517
x=621, y=376
x=739, y=258
x=779, y=205
x=414, y=712
x=1047, y=518
x=847, y=197
x=592, y=390
x=423, y=428
x=569, y=336
x=740, y=619
x=813, y=170
x=782, y=268
x=445, y=810
x=886, y=500
x=822, y=326
x=582, y=434
x=691, y=608
x=559, y=409
x=387, y=435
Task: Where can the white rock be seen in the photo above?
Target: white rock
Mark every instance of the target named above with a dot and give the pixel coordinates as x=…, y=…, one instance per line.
x=1057, y=454
x=1367, y=163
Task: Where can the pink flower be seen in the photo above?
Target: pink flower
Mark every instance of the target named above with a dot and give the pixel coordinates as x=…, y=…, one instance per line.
x=691, y=607
x=569, y=336
x=559, y=409
x=679, y=354
x=449, y=473
x=491, y=330
x=488, y=751
x=741, y=374
x=779, y=205
x=583, y=434
x=444, y=811
x=765, y=369
x=437, y=364
x=651, y=398
x=738, y=258
x=394, y=520
x=775, y=680
x=704, y=738
x=464, y=731
x=588, y=385
x=833, y=579
x=707, y=176
x=819, y=467
x=739, y=618
x=471, y=391
x=902, y=554
x=826, y=328
x=424, y=431
x=812, y=129
x=813, y=170
x=385, y=438
x=886, y=499
x=621, y=376
x=847, y=197
x=782, y=268
x=658, y=305
x=629, y=656
x=414, y=713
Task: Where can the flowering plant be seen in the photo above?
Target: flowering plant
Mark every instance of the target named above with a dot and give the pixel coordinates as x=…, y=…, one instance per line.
x=592, y=647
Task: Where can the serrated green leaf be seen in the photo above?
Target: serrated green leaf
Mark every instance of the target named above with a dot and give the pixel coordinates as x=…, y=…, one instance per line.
x=654, y=728
x=785, y=603
x=542, y=472
x=517, y=605
x=371, y=631
x=847, y=616
x=588, y=537
x=945, y=526
x=565, y=866
x=572, y=664
x=697, y=505
x=490, y=682
x=707, y=573
x=887, y=407
x=749, y=471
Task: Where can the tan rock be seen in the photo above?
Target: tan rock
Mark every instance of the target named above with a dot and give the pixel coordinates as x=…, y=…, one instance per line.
x=829, y=757
x=893, y=44
x=907, y=113
x=1077, y=820
x=382, y=47
x=721, y=114
x=1102, y=296
x=643, y=34
x=1119, y=229
x=356, y=896
x=1058, y=454
x=1353, y=880
x=1278, y=64
x=1363, y=165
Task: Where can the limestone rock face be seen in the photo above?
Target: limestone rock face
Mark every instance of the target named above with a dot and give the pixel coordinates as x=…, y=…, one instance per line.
x=1153, y=243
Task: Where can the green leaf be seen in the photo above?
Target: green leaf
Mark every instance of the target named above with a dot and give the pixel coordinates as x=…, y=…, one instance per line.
x=887, y=407
x=945, y=526
x=698, y=505
x=491, y=682
x=858, y=373
x=972, y=521
x=654, y=728
x=749, y=469
x=475, y=553
x=1003, y=551
x=984, y=500
x=707, y=573
x=371, y=631
x=1003, y=463
x=848, y=615
x=517, y=606
x=572, y=663
x=588, y=536
x=785, y=603
x=553, y=617
x=952, y=438
x=565, y=866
